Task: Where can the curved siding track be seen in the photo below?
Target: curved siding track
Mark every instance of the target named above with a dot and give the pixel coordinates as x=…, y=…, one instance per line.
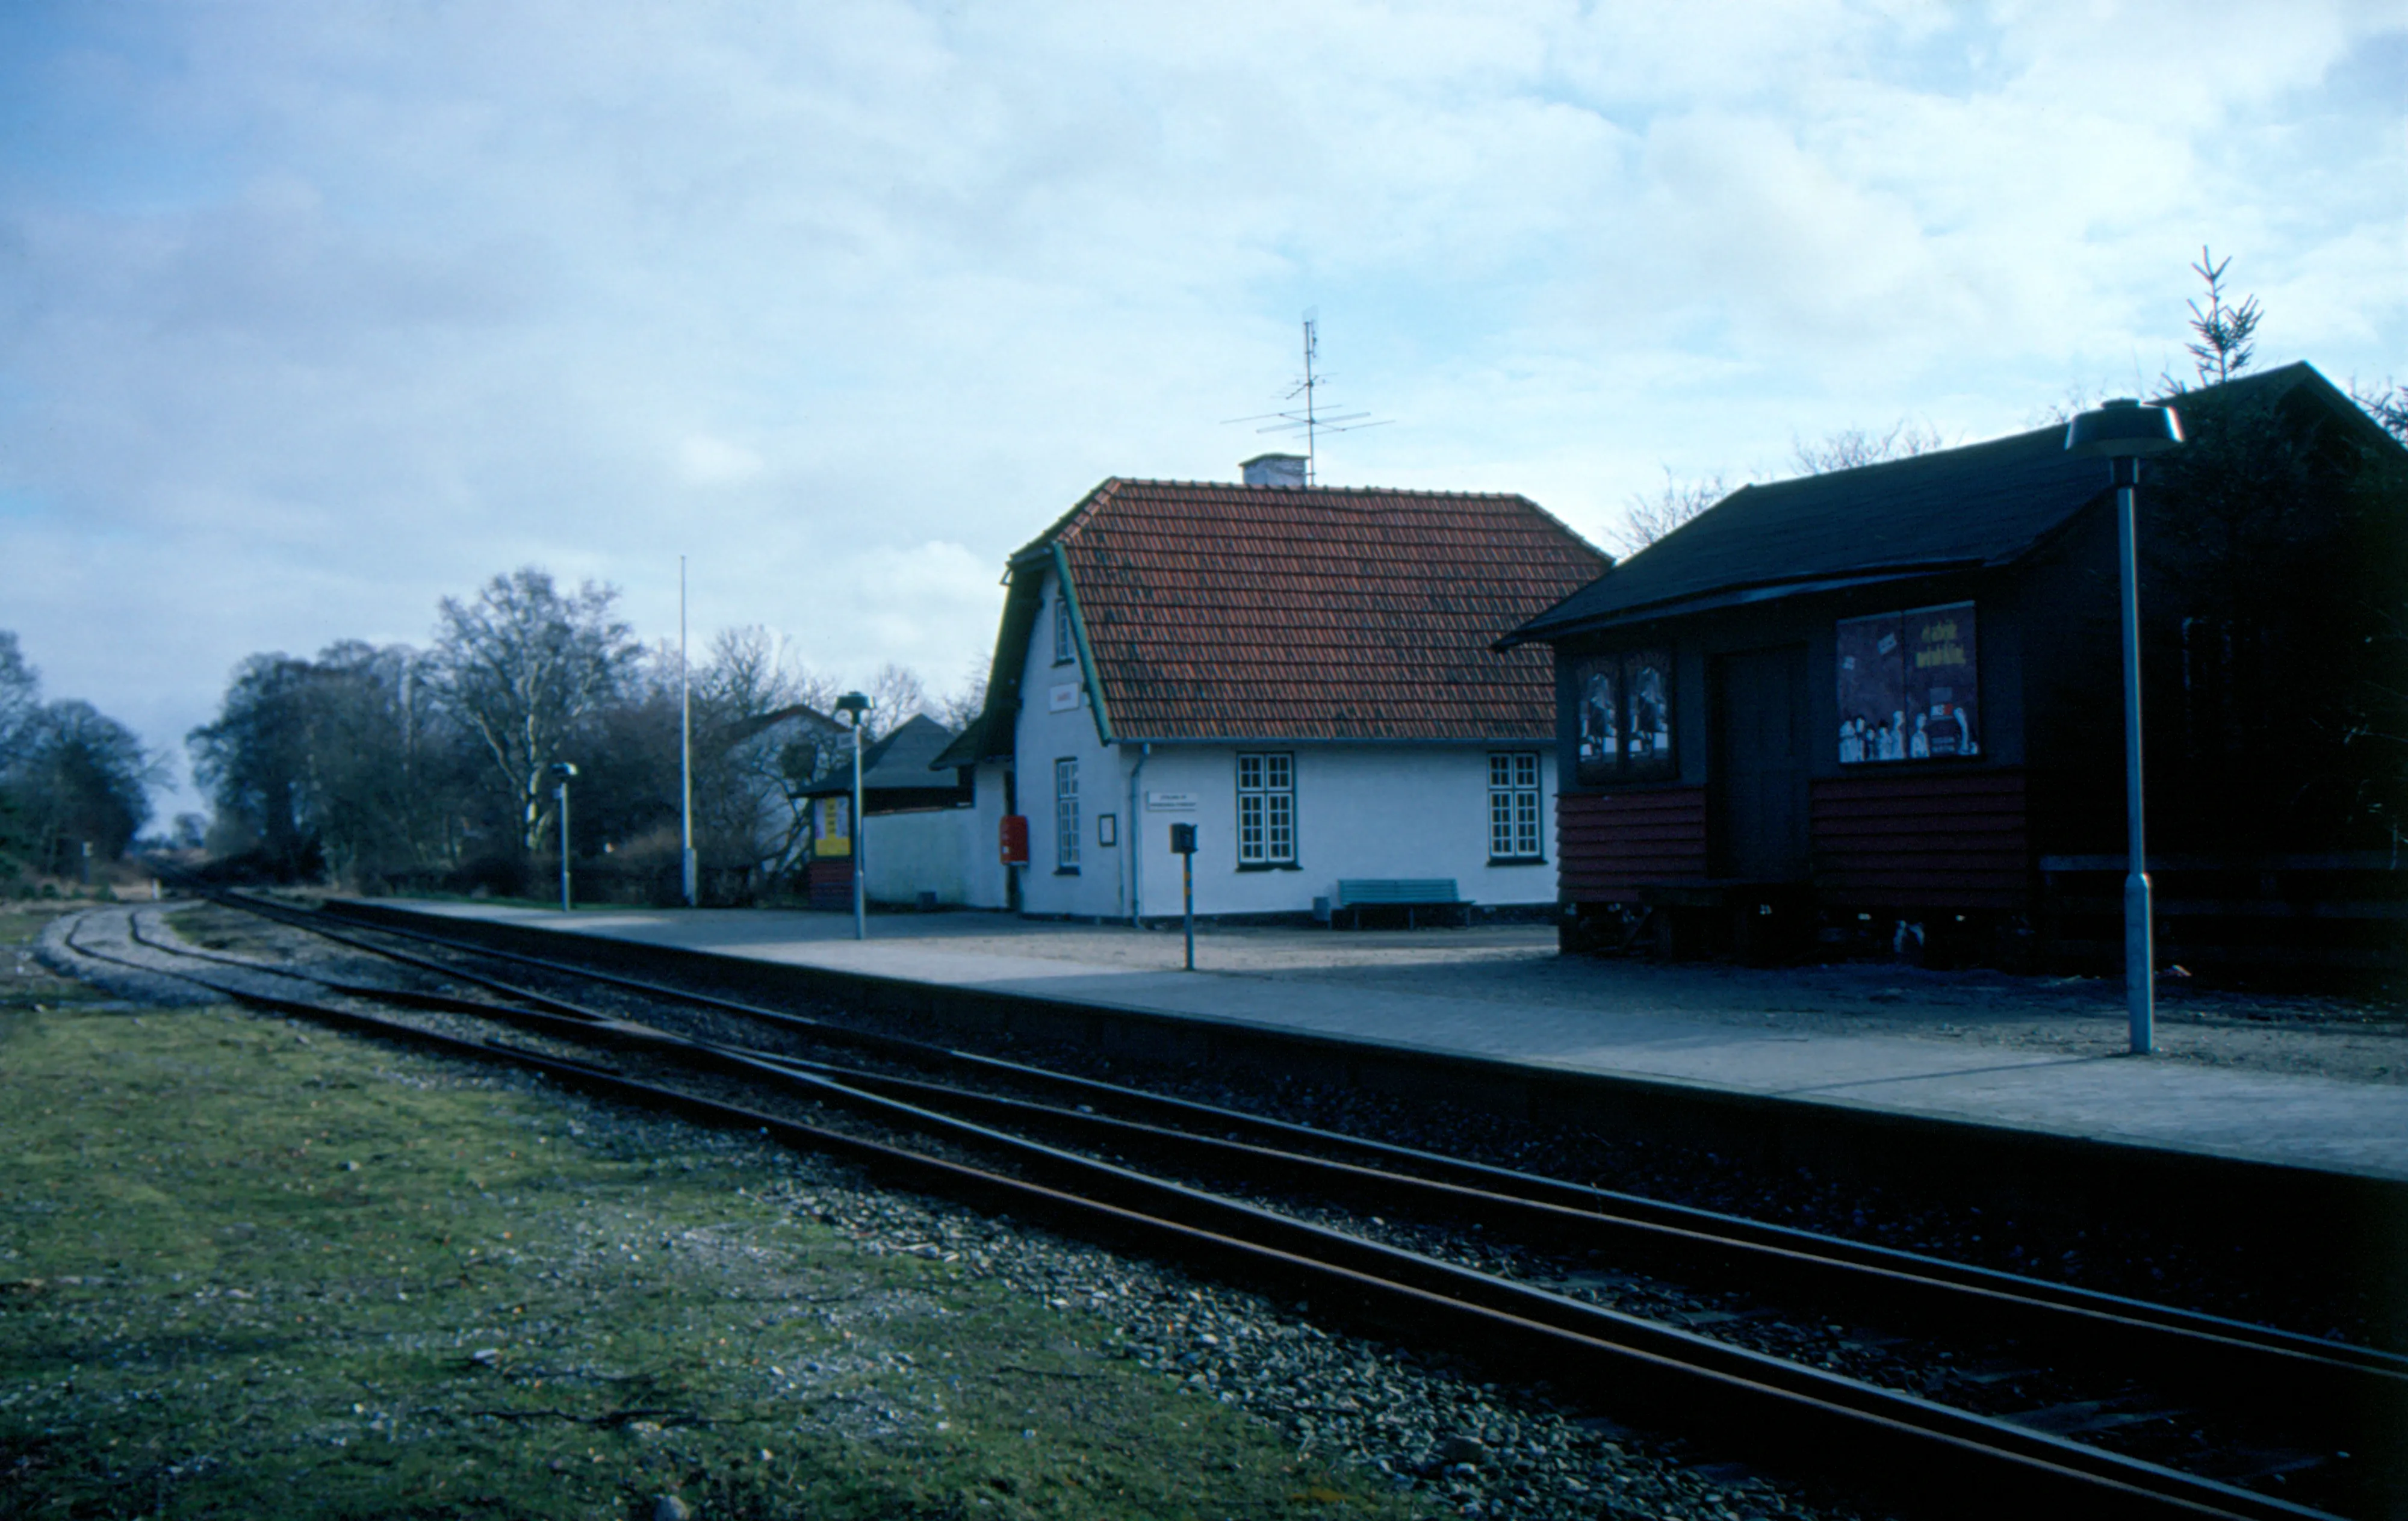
x=1457, y=1253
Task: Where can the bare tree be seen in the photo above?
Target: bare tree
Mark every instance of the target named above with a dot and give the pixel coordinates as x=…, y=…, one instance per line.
x=1648, y=518
x=2387, y=404
x=523, y=665
x=751, y=673
x=2226, y=332
x=1851, y=447
x=895, y=694
x=21, y=693
x=959, y=708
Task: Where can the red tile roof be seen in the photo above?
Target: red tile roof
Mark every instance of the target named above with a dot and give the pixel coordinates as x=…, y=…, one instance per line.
x=1225, y=612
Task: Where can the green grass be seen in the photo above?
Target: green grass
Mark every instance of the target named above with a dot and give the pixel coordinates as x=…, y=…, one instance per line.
x=249, y=1269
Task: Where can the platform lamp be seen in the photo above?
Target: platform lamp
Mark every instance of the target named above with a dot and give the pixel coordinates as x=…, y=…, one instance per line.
x=856, y=709
x=563, y=770
x=2123, y=432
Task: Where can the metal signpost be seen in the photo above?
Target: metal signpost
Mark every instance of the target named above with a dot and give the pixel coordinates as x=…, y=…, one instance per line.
x=855, y=708
x=564, y=770
x=2123, y=432
x=1182, y=842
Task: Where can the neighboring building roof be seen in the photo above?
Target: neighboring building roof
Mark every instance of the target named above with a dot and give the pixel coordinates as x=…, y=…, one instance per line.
x=1985, y=504
x=897, y=762
x=1211, y=611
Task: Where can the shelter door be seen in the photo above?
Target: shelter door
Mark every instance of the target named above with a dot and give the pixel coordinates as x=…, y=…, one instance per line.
x=1758, y=794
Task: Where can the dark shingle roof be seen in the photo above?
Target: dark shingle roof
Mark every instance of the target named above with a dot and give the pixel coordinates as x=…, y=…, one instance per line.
x=1223, y=612
x=1982, y=504
x=901, y=761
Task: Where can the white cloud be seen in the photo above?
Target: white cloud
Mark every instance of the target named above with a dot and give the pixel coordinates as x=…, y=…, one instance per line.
x=311, y=315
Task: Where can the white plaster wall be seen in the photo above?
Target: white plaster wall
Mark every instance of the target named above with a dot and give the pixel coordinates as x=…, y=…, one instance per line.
x=982, y=869
x=1362, y=810
x=931, y=851
x=1045, y=735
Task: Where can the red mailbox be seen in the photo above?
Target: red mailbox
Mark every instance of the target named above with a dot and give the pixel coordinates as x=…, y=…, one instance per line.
x=1015, y=840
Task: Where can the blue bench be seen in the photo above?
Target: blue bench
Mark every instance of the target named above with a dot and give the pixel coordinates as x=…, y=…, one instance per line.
x=1411, y=894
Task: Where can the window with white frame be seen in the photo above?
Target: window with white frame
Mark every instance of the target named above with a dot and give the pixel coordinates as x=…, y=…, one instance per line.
x=1065, y=815
x=1265, y=811
x=1065, y=649
x=1513, y=807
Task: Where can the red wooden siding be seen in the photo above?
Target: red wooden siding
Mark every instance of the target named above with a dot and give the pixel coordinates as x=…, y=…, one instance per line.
x=1606, y=847
x=1950, y=840
x=831, y=883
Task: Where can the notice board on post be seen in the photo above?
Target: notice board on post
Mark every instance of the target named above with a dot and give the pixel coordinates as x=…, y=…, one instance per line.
x=1910, y=686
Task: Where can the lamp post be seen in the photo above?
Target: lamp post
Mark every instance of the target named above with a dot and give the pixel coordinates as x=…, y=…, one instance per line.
x=855, y=708
x=2123, y=432
x=688, y=877
x=564, y=770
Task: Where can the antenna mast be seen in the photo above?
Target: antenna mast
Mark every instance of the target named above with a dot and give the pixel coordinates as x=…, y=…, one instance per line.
x=1308, y=419
x=1306, y=387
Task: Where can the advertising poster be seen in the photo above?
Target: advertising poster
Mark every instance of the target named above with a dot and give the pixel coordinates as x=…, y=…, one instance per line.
x=1872, y=689
x=1599, y=689
x=1647, y=734
x=1908, y=687
x=1941, y=692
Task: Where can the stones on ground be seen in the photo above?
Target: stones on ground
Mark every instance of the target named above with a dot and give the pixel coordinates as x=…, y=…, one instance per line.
x=1395, y=1417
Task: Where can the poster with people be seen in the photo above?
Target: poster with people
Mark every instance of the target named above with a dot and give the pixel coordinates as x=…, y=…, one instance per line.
x=1908, y=685
x=1597, y=688
x=1872, y=689
x=1626, y=717
x=1647, y=745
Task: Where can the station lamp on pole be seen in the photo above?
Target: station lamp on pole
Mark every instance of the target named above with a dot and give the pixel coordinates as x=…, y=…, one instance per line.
x=856, y=709
x=2123, y=432
x=563, y=770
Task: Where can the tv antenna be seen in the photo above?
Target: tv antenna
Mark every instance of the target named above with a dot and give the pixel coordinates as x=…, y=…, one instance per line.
x=1308, y=419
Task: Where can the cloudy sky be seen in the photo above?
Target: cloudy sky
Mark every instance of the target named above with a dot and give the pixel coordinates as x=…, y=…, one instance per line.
x=313, y=313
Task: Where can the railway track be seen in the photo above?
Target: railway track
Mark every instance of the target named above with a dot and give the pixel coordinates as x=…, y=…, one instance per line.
x=1186, y=1181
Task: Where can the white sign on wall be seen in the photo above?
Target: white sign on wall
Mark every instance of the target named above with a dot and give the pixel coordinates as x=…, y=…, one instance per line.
x=1064, y=696
x=1170, y=802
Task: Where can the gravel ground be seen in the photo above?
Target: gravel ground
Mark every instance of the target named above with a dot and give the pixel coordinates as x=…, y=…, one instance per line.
x=1428, y=1429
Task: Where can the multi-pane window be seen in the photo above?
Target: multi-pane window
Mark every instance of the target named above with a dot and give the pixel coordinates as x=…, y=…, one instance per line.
x=1513, y=807
x=1265, y=811
x=1064, y=650
x=1065, y=815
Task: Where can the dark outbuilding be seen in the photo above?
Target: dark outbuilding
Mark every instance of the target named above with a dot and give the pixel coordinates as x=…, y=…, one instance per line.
x=1883, y=703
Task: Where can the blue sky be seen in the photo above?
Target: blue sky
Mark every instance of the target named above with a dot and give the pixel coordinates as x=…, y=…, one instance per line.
x=312, y=314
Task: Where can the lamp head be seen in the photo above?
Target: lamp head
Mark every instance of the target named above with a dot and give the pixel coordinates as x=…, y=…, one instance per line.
x=564, y=769
x=854, y=707
x=2124, y=429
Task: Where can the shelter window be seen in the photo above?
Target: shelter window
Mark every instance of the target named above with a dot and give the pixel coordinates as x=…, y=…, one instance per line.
x=1065, y=815
x=1624, y=704
x=1265, y=811
x=1065, y=649
x=1513, y=807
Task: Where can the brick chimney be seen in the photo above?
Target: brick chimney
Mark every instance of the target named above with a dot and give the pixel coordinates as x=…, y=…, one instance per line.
x=1274, y=470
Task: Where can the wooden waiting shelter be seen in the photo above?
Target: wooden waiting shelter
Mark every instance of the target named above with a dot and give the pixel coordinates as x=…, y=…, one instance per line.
x=1882, y=704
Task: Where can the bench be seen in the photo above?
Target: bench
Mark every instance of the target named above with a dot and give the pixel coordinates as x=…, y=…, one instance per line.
x=1407, y=893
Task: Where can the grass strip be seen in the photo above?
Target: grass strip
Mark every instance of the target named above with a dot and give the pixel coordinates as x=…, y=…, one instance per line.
x=249, y=1268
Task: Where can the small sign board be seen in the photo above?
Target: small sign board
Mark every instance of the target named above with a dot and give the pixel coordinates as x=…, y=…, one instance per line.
x=1062, y=696
x=1170, y=802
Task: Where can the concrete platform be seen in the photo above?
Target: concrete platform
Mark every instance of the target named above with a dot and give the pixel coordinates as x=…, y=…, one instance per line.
x=1502, y=996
